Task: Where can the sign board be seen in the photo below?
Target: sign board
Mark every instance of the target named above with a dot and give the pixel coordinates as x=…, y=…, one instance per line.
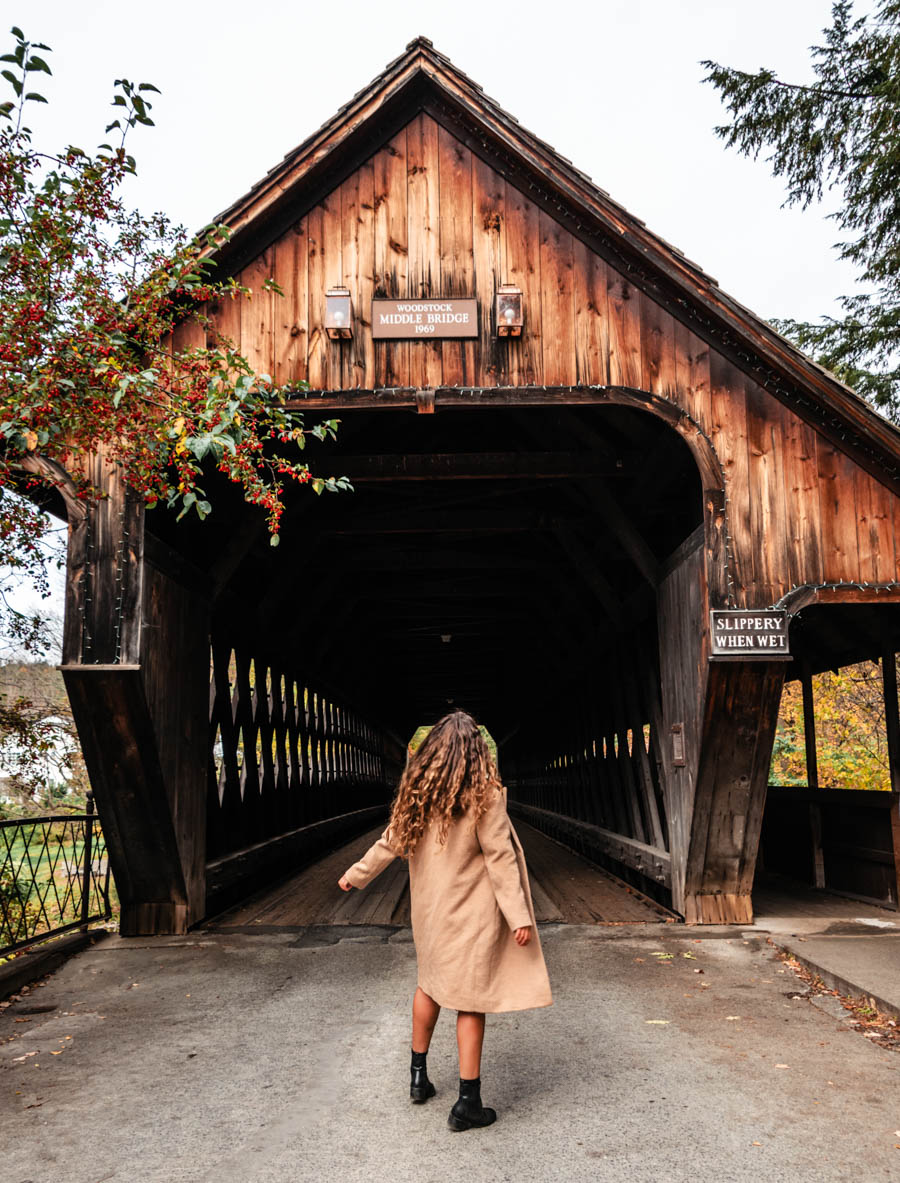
x=424, y=319
x=742, y=634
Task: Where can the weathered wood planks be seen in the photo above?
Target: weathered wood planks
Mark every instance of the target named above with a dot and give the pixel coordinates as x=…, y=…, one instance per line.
x=426, y=216
x=565, y=888
x=740, y=714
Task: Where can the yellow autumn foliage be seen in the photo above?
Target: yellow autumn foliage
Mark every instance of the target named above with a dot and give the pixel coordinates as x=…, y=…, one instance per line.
x=851, y=738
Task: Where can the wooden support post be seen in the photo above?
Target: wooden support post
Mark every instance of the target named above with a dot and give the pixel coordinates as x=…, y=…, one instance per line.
x=892, y=719
x=818, y=852
x=739, y=720
x=683, y=675
x=812, y=774
x=809, y=727
x=136, y=668
x=640, y=756
x=117, y=736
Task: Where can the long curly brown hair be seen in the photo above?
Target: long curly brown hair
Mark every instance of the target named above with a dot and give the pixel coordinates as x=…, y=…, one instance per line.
x=451, y=774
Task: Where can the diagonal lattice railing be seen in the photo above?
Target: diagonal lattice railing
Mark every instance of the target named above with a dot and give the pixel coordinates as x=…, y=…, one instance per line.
x=54, y=876
x=284, y=754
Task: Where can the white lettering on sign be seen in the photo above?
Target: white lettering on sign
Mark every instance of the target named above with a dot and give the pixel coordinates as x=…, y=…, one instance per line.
x=762, y=634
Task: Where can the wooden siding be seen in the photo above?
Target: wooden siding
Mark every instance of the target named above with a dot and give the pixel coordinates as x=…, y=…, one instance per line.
x=426, y=217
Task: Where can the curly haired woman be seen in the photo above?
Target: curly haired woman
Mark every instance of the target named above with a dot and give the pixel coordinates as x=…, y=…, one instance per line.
x=473, y=923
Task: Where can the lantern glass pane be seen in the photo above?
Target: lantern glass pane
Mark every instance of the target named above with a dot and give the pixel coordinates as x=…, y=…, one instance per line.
x=337, y=311
x=509, y=308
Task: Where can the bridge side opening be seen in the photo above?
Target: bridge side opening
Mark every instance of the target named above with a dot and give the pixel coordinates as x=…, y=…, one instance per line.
x=830, y=826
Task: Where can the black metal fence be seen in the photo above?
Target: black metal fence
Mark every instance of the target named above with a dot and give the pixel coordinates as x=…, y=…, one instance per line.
x=54, y=876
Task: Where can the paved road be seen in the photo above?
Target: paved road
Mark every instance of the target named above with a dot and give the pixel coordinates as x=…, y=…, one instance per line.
x=281, y=1057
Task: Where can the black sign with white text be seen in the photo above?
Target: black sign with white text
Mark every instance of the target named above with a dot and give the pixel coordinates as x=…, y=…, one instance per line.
x=739, y=633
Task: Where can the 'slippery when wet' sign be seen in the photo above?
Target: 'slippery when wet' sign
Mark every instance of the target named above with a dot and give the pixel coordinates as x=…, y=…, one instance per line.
x=742, y=633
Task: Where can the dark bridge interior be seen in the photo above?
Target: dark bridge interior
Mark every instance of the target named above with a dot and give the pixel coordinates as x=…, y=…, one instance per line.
x=501, y=560
x=485, y=559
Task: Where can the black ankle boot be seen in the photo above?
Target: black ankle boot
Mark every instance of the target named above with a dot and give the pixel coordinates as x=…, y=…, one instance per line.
x=420, y=1087
x=468, y=1112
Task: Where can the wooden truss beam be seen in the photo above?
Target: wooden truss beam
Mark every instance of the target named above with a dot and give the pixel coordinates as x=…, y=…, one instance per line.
x=495, y=466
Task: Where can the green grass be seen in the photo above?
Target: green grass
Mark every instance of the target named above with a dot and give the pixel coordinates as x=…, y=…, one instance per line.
x=29, y=872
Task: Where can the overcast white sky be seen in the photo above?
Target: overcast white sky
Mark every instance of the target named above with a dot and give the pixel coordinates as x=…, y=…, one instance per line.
x=613, y=85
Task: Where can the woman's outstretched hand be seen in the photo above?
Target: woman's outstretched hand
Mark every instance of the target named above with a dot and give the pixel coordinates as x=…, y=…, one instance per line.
x=523, y=935
x=344, y=883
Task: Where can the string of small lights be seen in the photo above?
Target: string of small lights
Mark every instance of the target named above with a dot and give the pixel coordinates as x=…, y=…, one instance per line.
x=689, y=312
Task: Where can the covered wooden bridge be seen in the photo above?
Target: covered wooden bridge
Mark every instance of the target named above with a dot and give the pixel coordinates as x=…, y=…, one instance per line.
x=597, y=502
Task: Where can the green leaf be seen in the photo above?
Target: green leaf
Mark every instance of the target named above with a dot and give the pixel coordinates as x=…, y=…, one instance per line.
x=200, y=445
x=34, y=97
x=274, y=539
x=36, y=63
x=17, y=33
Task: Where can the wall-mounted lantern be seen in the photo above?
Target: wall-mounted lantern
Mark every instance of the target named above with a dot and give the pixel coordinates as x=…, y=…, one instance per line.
x=338, y=325
x=510, y=310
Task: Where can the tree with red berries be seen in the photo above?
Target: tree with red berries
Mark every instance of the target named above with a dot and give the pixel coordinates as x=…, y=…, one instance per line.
x=90, y=291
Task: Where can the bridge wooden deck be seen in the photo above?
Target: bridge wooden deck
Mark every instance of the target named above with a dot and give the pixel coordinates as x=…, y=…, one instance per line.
x=565, y=888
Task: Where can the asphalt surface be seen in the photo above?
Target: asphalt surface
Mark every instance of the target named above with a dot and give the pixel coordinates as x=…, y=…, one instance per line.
x=284, y=1057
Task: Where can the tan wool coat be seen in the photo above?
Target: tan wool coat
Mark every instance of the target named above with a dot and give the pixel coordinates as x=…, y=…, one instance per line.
x=467, y=898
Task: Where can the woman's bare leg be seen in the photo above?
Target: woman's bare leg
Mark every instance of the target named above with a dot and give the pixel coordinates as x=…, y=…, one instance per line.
x=469, y=1038
x=425, y=1013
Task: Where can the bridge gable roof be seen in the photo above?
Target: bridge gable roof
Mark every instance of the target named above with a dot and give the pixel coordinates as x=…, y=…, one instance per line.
x=423, y=79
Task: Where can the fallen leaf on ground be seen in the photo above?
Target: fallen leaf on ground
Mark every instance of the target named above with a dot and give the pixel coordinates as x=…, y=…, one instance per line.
x=782, y=1065
x=657, y=1022
x=732, y=1018
x=690, y=956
